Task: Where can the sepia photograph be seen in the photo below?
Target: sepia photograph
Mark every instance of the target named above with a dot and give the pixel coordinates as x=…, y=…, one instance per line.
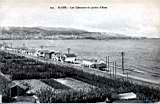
x=80, y=51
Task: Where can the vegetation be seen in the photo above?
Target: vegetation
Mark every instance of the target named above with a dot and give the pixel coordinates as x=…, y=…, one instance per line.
x=4, y=83
x=118, y=86
x=22, y=68
x=70, y=96
x=4, y=89
x=55, y=84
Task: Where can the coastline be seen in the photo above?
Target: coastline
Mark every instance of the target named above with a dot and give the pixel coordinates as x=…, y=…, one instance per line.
x=134, y=79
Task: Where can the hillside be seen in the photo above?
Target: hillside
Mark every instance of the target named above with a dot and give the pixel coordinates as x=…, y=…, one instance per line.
x=55, y=33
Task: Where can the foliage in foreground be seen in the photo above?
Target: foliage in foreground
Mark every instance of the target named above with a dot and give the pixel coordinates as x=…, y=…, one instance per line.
x=55, y=84
x=119, y=86
x=23, y=68
x=71, y=96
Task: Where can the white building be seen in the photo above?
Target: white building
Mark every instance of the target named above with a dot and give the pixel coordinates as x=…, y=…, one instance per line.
x=42, y=53
x=69, y=57
x=2, y=48
x=57, y=56
x=93, y=63
x=88, y=63
x=31, y=52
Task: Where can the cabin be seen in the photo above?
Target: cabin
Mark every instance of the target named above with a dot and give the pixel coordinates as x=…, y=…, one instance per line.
x=23, y=50
x=88, y=63
x=43, y=53
x=57, y=56
x=53, y=55
x=71, y=58
x=14, y=50
x=31, y=52
x=17, y=89
x=100, y=66
x=93, y=63
x=7, y=48
x=3, y=47
x=78, y=62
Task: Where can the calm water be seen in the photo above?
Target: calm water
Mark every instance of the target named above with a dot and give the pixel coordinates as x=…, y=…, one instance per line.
x=139, y=54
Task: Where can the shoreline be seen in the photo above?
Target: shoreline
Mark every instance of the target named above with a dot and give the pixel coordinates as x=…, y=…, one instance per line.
x=106, y=85
x=134, y=79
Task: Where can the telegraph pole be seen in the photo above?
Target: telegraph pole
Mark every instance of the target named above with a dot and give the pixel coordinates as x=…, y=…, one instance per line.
x=41, y=46
x=24, y=45
x=127, y=76
x=115, y=69
x=68, y=50
x=122, y=53
x=106, y=62
x=109, y=67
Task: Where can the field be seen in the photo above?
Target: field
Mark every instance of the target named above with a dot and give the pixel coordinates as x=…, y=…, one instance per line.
x=75, y=84
x=22, y=68
x=70, y=81
x=34, y=85
x=55, y=84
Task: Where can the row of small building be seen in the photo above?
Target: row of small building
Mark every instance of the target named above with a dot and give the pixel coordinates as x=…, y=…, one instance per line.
x=18, y=90
x=58, y=56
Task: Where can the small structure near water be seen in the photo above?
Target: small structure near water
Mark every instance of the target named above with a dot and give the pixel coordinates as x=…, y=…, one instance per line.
x=69, y=57
x=42, y=53
x=56, y=56
x=94, y=64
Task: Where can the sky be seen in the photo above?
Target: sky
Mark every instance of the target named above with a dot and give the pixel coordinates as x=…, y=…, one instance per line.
x=129, y=17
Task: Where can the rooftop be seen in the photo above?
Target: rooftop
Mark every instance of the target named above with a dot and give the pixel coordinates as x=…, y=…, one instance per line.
x=31, y=50
x=70, y=55
x=45, y=51
x=16, y=83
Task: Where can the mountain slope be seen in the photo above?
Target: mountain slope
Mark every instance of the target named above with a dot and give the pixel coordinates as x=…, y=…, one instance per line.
x=55, y=33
